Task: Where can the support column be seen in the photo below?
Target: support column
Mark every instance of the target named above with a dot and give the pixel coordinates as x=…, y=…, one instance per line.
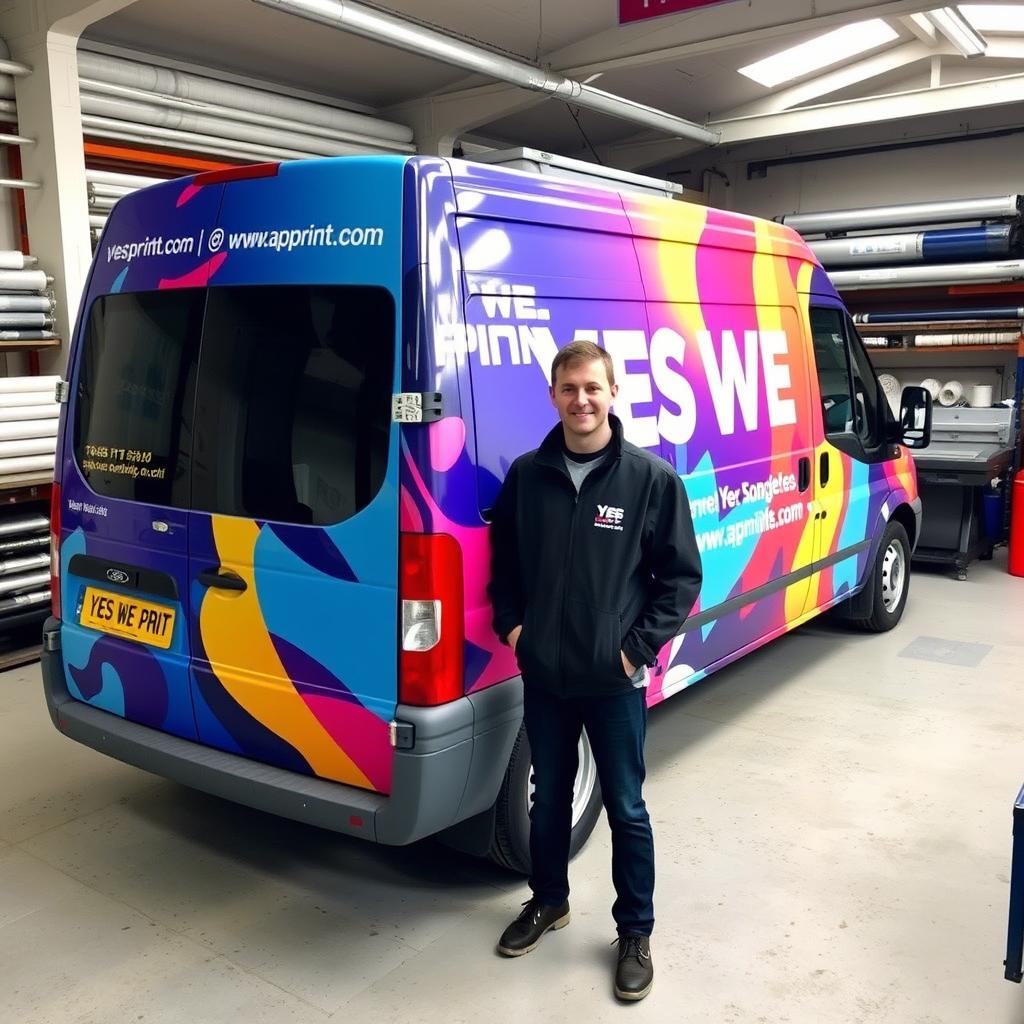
x=44, y=35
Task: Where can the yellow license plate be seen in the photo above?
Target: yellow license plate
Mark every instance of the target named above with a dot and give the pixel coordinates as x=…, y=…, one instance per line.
x=128, y=617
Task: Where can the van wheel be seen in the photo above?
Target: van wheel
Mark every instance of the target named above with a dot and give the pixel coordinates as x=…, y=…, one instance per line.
x=510, y=845
x=891, y=580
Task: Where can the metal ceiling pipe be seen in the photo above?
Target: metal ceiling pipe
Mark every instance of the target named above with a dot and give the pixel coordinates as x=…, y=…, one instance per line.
x=987, y=242
x=118, y=71
x=923, y=316
x=228, y=130
x=92, y=87
x=994, y=272
x=907, y=215
x=106, y=127
x=131, y=181
x=370, y=23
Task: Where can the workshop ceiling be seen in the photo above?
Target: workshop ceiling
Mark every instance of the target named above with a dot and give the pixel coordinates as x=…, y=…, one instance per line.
x=685, y=64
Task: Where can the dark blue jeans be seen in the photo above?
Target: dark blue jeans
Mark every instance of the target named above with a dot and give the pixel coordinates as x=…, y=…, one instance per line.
x=616, y=727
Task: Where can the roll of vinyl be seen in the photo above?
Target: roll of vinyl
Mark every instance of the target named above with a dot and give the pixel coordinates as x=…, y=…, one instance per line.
x=27, y=581
x=981, y=396
x=30, y=335
x=42, y=399
x=15, y=260
x=28, y=303
x=932, y=386
x=39, y=321
x=950, y=393
x=20, y=413
x=892, y=390
x=26, y=464
x=30, y=428
x=21, y=563
x=23, y=281
x=28, y=446
x=967, y=338
x=8, y=385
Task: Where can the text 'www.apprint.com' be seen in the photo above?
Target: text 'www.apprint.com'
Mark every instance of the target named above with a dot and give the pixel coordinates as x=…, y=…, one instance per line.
x=276, y=239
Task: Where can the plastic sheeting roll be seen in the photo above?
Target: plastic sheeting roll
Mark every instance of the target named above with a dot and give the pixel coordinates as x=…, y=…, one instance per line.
x=23, y=281
x=14, y=260
x=30, y=335
x=14, y=564
x=950, y=393
x=941, y=315
x=28, y=428
x=28, y=446
x=41, y=399
x=10, y=385
x=24, y=602
x=26, y=320
x=26, y=464
x=905, y=215
x=27, y=581
x=23, y=524
x=20, y=413
x=32, y=304
x=967, y=338
x=893, y=391
x=988, y=272
x=932, y=386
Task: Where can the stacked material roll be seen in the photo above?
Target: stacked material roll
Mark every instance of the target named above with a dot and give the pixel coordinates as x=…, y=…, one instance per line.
x=26, y=304
x=105, y=189
x=28, y=429
x=24, y=565
x=966, y=338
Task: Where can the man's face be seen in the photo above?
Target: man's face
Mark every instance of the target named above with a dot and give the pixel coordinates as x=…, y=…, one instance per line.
x=583, y=396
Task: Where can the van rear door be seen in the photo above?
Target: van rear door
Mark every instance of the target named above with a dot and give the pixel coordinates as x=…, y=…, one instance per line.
x=125, y=469
x=294, y=533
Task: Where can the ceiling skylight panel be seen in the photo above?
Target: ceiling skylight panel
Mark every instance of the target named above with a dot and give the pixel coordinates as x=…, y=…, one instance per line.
x=821, y=52
x=994, y=17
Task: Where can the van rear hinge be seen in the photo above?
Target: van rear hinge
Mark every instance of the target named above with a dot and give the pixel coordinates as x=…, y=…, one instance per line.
x=416, y=407
x=403, y=735
x=62, y=392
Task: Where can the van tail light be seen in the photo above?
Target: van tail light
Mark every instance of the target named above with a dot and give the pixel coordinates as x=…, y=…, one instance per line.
x=55, y=549
x=430, y=669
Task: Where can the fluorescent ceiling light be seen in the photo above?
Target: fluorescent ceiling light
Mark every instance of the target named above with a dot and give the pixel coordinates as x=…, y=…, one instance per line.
x=994, y=17
x=955, y=27
x=820, y=52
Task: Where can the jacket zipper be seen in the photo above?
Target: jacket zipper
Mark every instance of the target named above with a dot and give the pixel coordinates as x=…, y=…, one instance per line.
x=565, y=580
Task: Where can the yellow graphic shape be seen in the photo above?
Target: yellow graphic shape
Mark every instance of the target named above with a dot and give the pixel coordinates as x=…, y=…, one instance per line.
x=245, y=662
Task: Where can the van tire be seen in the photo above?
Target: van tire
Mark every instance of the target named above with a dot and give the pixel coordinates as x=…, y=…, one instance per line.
x=891, y=570
x=510, y=844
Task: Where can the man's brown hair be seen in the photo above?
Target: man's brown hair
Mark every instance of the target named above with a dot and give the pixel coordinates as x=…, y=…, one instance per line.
x=581, y=352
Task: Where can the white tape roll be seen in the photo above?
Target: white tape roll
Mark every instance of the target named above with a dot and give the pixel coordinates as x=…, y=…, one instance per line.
x=932, y=386
x=981, y=396
x=951, y=393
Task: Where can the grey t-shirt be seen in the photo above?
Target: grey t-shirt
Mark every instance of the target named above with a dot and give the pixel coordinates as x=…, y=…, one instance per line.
x=579, y=471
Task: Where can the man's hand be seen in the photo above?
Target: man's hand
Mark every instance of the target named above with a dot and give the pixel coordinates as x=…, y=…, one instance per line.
x=513, y=638
x=627, y=666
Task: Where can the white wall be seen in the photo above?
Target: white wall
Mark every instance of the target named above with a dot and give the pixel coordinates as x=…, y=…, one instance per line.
x=962, y=170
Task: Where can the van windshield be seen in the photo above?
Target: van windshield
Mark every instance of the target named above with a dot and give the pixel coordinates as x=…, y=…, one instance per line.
x=263, y=402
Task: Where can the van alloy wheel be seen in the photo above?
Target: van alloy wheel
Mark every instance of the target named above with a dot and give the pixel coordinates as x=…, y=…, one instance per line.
x=583, y=785
x=894, y=575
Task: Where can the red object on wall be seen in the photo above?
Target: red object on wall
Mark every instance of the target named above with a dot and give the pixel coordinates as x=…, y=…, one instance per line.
x=1017, y=526
x=639, y=10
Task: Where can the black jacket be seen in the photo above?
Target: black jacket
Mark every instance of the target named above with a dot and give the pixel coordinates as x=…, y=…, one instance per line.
x=614, y=568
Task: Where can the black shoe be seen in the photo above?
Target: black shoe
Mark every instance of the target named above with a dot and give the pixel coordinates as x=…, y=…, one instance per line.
x=634, y=974
x=525, y=931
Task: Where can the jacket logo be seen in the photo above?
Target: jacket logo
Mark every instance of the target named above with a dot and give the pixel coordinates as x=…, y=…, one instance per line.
x=609, y=517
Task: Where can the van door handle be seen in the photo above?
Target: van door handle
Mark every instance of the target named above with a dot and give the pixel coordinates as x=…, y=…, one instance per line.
x=805, y=473
x=223, y=580
x=823, y=468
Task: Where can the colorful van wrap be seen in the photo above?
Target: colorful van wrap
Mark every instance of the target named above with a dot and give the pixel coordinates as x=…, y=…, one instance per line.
x=284, y=647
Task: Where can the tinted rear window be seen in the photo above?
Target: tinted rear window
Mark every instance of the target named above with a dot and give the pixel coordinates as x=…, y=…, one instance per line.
x=286, y=418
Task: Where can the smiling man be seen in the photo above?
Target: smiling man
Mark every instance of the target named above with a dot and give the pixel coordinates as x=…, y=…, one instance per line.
x=595, y=567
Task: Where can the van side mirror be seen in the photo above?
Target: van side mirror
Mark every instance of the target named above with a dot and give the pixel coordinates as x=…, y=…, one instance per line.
x=915, y=426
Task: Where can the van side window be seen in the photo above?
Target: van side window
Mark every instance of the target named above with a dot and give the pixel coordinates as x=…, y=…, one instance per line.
x=135, y=393
x=293, y=410
x=849, y=388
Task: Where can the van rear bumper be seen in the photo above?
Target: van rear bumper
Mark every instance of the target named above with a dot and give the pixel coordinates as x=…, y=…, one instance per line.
x=452, y=772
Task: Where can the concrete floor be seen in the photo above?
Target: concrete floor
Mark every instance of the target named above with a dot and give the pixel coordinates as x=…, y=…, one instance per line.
x=832, y=822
